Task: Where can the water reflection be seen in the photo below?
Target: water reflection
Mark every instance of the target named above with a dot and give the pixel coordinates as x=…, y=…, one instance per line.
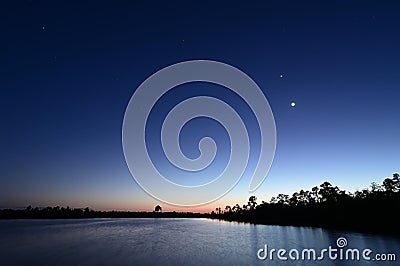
x=169, y=242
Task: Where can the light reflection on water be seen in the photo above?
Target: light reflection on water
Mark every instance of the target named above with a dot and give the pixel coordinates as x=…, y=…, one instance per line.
x=169, y=242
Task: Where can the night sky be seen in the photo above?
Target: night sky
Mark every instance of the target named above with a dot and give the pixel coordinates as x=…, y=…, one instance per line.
x=69, y=69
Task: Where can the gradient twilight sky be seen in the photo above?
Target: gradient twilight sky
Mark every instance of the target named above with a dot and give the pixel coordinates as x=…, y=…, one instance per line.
x=68, y=70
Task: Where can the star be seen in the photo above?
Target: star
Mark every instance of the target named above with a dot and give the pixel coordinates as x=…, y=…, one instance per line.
x=43, y=27
x=281, y=76
x=293, y=104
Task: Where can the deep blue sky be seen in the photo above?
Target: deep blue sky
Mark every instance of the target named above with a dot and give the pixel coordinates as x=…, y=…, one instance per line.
x=68, y=70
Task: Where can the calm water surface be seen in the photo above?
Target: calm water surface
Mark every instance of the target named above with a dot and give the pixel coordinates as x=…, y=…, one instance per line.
x=172, y=242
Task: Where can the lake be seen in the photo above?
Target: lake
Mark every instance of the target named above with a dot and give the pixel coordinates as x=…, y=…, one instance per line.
x=164, y=241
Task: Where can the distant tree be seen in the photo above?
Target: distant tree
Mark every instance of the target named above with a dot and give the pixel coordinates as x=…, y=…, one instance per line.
x=237, y=208
x=363, y=194
x=396, y=181
x=309, y=197
x=157, y=208
x=303, y=197
x=376, y=187
x=228, y=208
x=315, y=194
x=343, y=196
x=328, y=192
x=293, y=201
x=282, y=199
x=252, y=202
x=390, y=185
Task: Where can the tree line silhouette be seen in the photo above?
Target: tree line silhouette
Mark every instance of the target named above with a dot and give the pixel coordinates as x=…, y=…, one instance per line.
x=77, y=213
x=373, y=209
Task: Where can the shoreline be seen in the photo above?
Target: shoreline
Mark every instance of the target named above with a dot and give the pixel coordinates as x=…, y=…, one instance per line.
x=189, y=215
